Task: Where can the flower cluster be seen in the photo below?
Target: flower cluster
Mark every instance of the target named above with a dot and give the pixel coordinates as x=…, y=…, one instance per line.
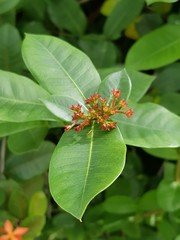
x=99, y=110
x=10, y=234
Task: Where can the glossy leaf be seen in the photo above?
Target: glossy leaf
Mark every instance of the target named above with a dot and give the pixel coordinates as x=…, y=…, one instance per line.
x=67, y=14
x=59, y=67
x=6, y=6
x=155, y=1
x=19, y=99
x=151, y=126
x=81, y=167
x=31, y=164
x=119, y=18
x=10, y=49
x=164, y=153
x=34, y=138
x=38, y=204
x=140, y=84
x=8, y=128
x=60, y=106
x=118, y=80
x=156, y=49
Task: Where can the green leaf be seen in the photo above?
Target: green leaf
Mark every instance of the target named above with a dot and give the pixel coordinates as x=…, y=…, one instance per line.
x=171, y=102
x=59, y=67
x=156, y=49
x=33, y=137
x=38, y=204
x=151, y=126
x=155, y=1
x=2, y=196
x=60, y=106
x=108, y=6
x=165, y=153
x=18, y=204
x=35, y=27
x=34, y=11
x=6, y=5
x=120, y=205
x=148, y=202
x=10, y=49
x=35, y=225
x=102, y=52
x=81, y=167
x=118, y=80
x=166, y=230
x=19, y=99
x=67, y=14
x=26, y=166
x=140, y=84
x=168, y=194
x=123, y=14
x=8, y=128
x=167, y=79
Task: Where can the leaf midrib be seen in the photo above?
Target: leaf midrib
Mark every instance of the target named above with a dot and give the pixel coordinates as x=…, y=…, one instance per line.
x=88, y=166
x=61, y=67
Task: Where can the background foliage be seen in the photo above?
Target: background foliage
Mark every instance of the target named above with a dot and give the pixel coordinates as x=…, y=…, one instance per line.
x=144, y=202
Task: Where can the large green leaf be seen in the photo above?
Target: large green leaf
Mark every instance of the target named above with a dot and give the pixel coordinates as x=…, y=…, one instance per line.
x=59, y=67
x=19, y=99
x=118, y=80
x=34, y=138
x=165, y=153
x=151, y=126
x=67, y=14
x=83, y=165
x=123, y=14
x=6, y=5
x=10, y=49
x=155, y=1
x=8, y=128
x=28, y=165
x=156, y=49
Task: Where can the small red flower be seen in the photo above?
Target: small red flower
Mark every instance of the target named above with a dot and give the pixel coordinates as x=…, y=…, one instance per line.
x=10, y=234
x=116, y=93
x=129, y=113
x=100, y=111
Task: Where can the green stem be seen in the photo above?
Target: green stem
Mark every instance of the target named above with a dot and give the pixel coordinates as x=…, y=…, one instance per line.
x=2, y=157
x=178, y=167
